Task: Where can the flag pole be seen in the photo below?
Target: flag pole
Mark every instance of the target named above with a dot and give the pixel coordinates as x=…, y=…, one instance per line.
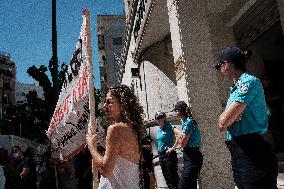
x=56, y=176
x=91, y=90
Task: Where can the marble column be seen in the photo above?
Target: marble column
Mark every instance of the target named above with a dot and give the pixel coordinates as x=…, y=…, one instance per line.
x=198, y=32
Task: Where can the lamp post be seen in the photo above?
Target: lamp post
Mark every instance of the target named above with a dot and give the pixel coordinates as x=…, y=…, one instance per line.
x=20, y=129
x=1, y=100
x=20, y=124
x=2, y=95
x=54, y=59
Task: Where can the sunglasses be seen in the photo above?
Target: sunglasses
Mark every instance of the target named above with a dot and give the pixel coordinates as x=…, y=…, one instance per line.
x=160, y=117
x=109, y=101
x=218, y=66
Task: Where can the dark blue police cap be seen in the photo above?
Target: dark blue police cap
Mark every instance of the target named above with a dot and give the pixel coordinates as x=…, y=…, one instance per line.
x=229, y=54
x=180, y=105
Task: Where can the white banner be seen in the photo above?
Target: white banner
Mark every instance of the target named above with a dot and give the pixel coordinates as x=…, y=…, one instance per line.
x=69, y=123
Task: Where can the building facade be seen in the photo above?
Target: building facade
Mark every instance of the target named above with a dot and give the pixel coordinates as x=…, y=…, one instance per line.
x=22, y=89
x=7, y=83
x=110, y=42
x=173, y=45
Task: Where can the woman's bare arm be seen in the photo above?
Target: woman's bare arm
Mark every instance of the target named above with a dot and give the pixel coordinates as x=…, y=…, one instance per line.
x=105, y=163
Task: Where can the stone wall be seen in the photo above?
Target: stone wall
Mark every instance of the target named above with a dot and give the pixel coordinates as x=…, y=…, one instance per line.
x=157, y=73
x=198, y=30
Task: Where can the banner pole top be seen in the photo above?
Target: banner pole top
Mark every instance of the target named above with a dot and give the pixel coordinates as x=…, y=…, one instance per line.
x=85, y=12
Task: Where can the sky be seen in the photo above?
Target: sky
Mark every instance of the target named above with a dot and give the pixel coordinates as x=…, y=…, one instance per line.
x=25, y=31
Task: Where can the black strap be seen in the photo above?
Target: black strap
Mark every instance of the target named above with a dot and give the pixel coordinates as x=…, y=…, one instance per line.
x=141, y=175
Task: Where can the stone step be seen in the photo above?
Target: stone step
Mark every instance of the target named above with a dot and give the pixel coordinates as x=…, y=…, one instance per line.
x=280, y=157
x=281, y=167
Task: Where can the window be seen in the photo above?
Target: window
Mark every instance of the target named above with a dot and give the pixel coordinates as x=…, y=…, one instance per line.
x=101, y=42
x=5, y=99
x=117, y=41
x=135, y=72
x=6, y=84
x=104, y=78
x=104, y=58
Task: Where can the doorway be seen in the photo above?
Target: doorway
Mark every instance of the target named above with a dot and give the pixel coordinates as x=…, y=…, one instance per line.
x=268, y=65
x=259, y=31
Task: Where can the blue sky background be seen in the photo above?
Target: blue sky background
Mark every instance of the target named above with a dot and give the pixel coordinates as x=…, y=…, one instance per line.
x=25, y=31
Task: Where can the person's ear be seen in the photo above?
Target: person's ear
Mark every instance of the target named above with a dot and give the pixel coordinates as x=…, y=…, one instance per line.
x=226, y=66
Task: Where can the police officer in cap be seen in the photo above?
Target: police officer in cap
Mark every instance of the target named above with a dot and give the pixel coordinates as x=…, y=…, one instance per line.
x=245, y=119
x=190, y=144
x=167, y=139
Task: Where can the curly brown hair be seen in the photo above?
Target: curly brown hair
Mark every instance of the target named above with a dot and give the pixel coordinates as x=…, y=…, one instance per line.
x=132, y=111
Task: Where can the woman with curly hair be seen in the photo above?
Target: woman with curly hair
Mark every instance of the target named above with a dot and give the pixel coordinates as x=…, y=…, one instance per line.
x=119, y=166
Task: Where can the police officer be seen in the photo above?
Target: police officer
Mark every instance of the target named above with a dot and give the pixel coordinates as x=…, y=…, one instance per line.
x=190, y=144
x=245, y=119
x=167, y=139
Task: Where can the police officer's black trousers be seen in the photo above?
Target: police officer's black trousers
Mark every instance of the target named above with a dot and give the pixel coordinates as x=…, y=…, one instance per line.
x=192, y=163
x=169, y=169
x=253, y=161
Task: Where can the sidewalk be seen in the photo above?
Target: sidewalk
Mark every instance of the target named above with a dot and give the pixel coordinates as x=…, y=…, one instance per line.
x=280, y=181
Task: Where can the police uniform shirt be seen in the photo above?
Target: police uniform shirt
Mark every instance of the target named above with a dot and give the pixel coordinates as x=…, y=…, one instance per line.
x=191, y=129
x=165, y=137
x=248, y=90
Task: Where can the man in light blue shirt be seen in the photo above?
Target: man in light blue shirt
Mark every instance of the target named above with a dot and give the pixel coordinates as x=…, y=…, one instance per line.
x=245, y=119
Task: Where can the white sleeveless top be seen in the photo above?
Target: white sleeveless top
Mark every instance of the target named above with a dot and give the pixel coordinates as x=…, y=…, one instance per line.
x=125, y=175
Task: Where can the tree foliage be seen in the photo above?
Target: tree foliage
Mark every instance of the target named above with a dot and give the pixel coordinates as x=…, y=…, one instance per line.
x=50, y=93
x=38, y=112
x=29, y=119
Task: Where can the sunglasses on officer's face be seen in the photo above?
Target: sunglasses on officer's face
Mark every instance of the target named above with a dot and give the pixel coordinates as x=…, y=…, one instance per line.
x=160, y=117
x=218, y=66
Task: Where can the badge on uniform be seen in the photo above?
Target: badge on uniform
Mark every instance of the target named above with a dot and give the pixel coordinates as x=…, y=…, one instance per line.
x=243, y=89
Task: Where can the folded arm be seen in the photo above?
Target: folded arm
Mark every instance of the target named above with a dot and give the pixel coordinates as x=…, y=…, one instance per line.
x=231, y=115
